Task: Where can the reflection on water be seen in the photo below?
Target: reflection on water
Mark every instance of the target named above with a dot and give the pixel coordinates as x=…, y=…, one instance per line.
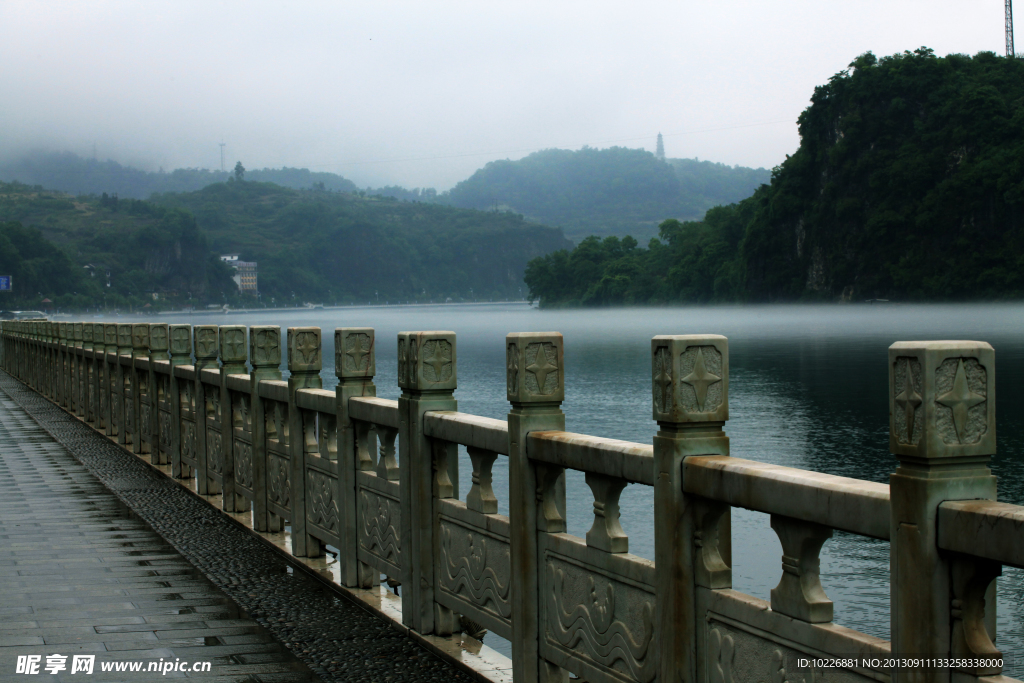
x=808, y=389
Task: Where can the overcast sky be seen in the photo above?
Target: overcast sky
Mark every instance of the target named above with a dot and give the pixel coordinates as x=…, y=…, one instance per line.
x=423, y=93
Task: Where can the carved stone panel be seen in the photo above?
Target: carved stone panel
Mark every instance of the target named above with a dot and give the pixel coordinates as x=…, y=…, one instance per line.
x=243, y=464
x=690, y=378
x=180, y=340
x=232, y=344
x=265, y=346
x=158, y=340
x=321, y=508
x=378, y=526
x=214, y=452
x=165, y=431
x=909, y=420
x=605, y=623
x=427, y=361
x=279, y=481
x=734, y=655
x=303, y=349
x=146, y=414
x=188, y=440
x=475, y=567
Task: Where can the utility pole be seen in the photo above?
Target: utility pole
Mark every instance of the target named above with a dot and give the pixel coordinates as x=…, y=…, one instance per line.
x=1009, y=30
x=222, y=150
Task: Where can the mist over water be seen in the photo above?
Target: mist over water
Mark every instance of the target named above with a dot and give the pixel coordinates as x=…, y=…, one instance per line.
x=808, y=389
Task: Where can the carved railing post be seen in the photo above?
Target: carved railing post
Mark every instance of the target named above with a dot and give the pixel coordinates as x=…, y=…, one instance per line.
x=355, y=366
x=206, y=350
x=427, y=377
x=233, y=354
x=140, y=377
x=265, y=357
x=304, y=364
x=79, y=392
x=180, y=346
x=942, y=429
x=63, y=367
x=535, y=372
x=690, y=391
x=88, y=373
x=110, y=405
x=124, y=417
x=159, y=430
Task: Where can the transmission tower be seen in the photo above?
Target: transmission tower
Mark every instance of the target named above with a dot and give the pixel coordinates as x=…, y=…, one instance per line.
x=1009, y=29
x=222, y=147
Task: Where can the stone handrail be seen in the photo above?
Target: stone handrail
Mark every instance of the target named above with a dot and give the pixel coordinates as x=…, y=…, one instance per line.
x=379, y=481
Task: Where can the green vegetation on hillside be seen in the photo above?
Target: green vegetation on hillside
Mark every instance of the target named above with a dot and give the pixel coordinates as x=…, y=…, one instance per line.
x=311, y=245
x=908, y=184
x=614, y=191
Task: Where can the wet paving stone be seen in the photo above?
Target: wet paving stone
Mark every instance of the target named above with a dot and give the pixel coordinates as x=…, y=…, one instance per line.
x=77, y=510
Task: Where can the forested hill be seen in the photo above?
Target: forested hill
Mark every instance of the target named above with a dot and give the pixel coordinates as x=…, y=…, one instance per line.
x=68, y=172
x=908, y=184
x=615, y=191
x=311, y=245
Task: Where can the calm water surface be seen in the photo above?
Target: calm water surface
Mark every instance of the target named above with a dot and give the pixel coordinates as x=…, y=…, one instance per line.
x=808, y=389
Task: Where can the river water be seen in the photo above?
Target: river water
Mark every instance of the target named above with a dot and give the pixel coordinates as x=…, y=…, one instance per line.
x=808, y=389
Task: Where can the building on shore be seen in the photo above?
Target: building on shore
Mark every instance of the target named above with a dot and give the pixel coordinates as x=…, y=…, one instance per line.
x=245, y=273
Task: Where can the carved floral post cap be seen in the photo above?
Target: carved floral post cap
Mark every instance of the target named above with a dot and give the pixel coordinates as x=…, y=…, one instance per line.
x=79, y=331
x=304, y=349
x=426, y=361
x=180, y=339
x=232, y=344
x=124, y=335
x=942, y=399
x=265, y=346
x=535, y=367
x=87, y=332
x=110, y=334
x=353, y=352
x=140, y=337
x=206, y=341
x=158, y=338
x=690, y=378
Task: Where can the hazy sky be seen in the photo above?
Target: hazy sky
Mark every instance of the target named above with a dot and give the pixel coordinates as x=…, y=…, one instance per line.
x=424, y=93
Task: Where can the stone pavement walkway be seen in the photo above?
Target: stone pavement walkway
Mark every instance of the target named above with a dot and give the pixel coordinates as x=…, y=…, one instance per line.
x=100, y=555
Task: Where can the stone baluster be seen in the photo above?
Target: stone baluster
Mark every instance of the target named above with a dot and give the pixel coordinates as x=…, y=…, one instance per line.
x=110, y=405
x=606, y=533
x=158, y=346
x=942, y=429
x=124, y=348
x=481, y=494
x=140, y=386
x=304, y=363
x=535, y=373
x=799, y=593
x=690, y=389
x=233, y=355
x=355, y=366
x=265, y=357
x=427, y=377
x=180, y=347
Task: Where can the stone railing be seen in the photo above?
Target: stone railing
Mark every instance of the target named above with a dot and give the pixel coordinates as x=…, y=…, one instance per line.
x=210, y=403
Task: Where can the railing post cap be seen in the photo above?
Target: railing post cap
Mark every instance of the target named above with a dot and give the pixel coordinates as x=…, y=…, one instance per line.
x=180, y=339
x=265, y=346
x=110, y=334
x=78, y=332
x=690, y=378
x=205, y=338
x=535, y=367
x=158, y=336
x=426, y=361
x=124, y=335
x=87, y=332
x=140, y=336
x=62, y=330
x=354, y=354
x=304, y=349
x=942, y=399
x=232, y=343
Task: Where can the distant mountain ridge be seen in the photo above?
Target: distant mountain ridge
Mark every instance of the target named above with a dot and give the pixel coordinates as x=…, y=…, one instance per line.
x=615, y=191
